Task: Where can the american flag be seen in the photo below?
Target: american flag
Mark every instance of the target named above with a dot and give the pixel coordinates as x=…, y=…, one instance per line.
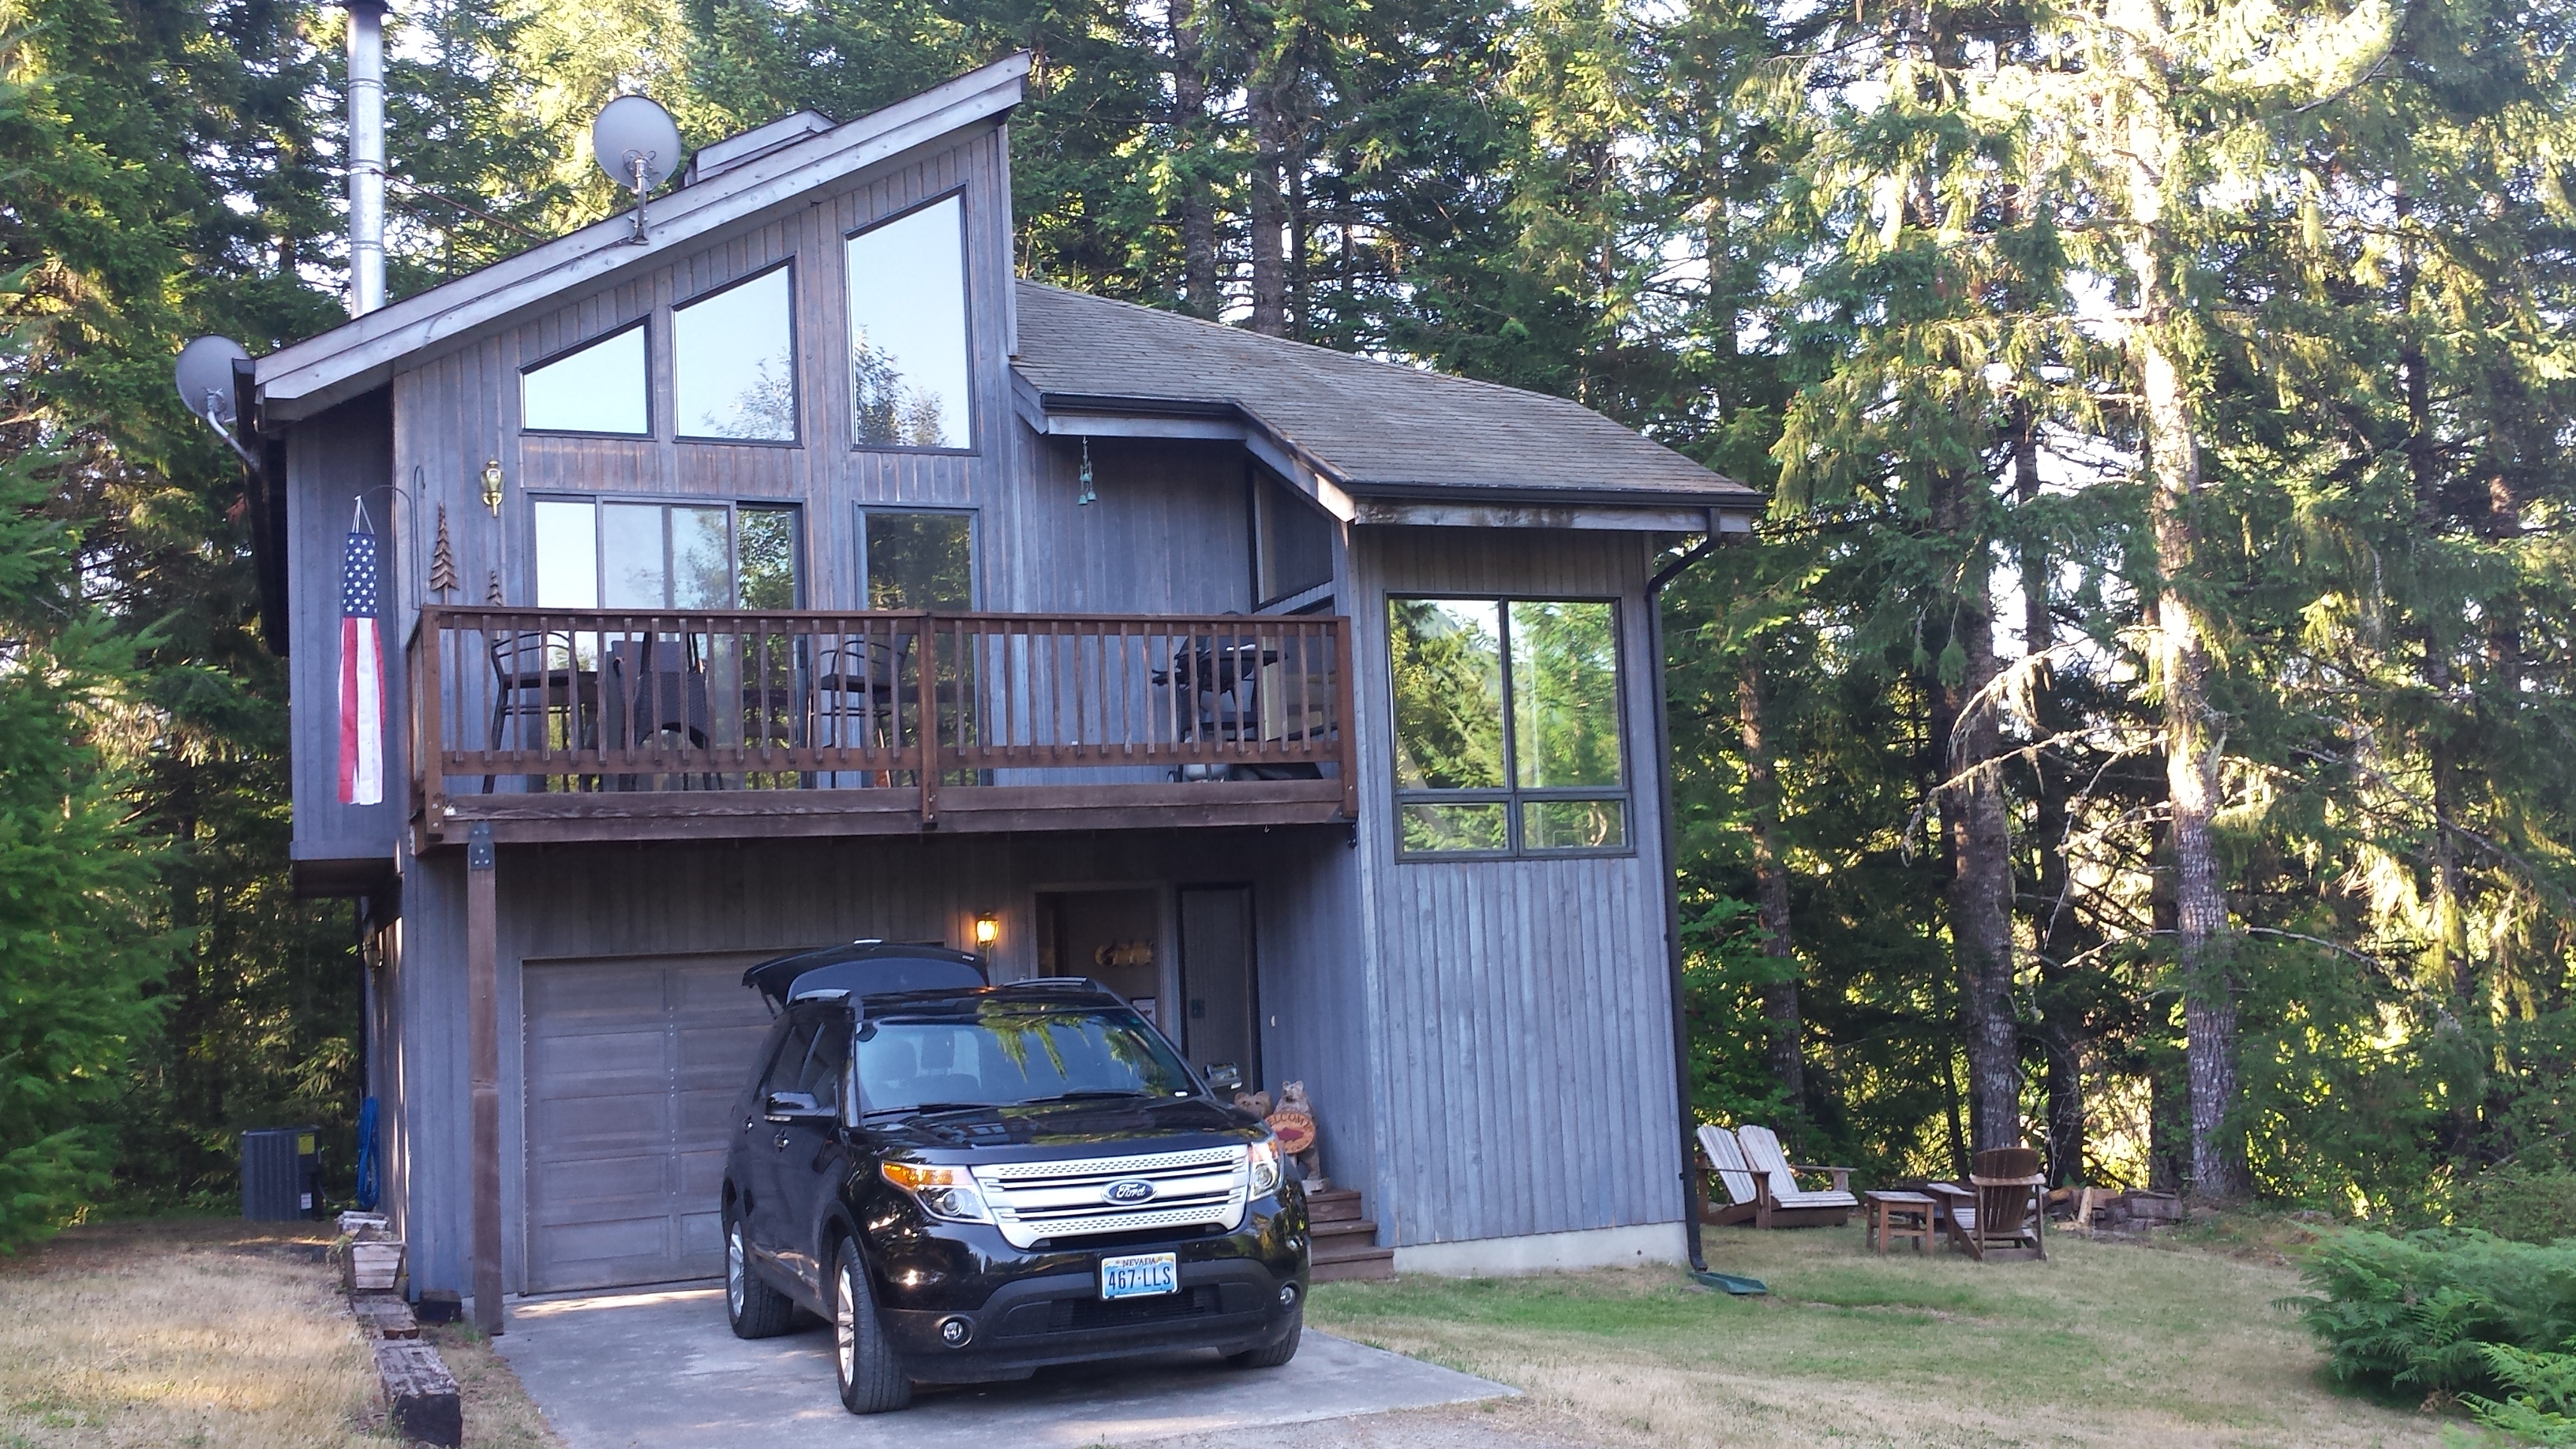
x=362, y=677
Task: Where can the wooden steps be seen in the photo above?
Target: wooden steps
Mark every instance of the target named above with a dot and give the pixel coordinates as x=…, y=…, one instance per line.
x=1345, y=1243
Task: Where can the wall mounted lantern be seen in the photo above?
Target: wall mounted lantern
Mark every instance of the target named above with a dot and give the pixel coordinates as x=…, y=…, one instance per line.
x=492, y=486
x=988, y=929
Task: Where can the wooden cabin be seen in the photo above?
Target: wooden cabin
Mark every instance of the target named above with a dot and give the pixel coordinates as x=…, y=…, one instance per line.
x=796, y=574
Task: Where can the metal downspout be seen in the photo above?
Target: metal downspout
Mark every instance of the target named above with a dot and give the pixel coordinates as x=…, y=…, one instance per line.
x=1673, y=920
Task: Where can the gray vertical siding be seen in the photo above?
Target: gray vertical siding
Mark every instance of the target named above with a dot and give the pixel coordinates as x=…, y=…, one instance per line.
x=332, y=462
x=1523, y=1007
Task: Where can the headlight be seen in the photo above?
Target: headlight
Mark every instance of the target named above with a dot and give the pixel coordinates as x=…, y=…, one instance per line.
x=1265, y=1167
x=943, y=1192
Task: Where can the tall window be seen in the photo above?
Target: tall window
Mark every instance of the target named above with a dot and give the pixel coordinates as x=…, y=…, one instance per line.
x=598, y=387
x=919, y=560
x=908, y=378
x=615, y=555
x=1507, y=728
x=733, y=362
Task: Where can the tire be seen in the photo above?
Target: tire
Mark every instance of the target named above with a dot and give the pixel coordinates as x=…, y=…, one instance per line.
x=752, y=1306
x=872, y=1381
x=1277, y=1353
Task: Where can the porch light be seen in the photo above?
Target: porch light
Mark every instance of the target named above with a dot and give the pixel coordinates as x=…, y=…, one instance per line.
x=492, y=486
x=988, y=929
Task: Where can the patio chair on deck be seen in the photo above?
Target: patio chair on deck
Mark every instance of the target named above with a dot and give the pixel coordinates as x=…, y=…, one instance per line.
x=661, y=691
x=857, y=699
x=1788, y=1204
x=533, y=679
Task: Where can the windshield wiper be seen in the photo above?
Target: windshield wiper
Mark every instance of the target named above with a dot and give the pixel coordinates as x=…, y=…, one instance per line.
x=929, y=1108
x=1088, y=1094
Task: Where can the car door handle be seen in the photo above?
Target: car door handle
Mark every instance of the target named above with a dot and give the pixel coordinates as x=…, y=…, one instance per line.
x=781, y=1140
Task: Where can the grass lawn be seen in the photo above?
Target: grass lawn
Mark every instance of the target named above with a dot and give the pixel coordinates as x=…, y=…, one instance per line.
x=2107, y=1343
x=214, y=1333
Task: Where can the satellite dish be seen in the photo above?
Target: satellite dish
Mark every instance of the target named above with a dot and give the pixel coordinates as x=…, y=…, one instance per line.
x=633, y=130
x=205, y=377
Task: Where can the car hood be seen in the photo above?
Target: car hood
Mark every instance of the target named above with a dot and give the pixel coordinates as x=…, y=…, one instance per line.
x=1068, y=1129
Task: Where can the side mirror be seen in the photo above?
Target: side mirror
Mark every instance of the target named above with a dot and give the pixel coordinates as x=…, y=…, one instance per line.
x=1225, y=1077
x=795, y=1107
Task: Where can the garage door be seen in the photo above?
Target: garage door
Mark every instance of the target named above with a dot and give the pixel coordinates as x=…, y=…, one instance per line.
x=632, y=1069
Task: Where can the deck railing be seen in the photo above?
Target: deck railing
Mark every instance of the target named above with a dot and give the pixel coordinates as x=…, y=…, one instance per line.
x=525, y=701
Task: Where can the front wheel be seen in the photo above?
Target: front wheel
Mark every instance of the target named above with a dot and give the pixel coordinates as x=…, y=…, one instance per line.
x=1277, y=1353
x=752, y=1306
x=872, y=1381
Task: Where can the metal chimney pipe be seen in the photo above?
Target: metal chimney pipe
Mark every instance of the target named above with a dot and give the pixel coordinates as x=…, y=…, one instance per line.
x=366, y=156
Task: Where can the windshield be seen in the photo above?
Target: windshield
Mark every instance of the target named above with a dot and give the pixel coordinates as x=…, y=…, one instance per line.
x=1013, y=1054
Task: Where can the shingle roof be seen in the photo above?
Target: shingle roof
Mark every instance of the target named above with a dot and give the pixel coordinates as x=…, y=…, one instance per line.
x=1379, y=428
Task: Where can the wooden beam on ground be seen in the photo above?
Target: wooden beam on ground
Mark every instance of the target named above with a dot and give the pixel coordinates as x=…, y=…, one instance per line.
x=420, y=1395
x=483, y=1049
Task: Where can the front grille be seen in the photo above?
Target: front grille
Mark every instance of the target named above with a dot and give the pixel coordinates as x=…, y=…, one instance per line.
x=1062, y=1201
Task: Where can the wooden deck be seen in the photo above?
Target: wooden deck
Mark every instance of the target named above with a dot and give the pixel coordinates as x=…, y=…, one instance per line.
x=594, y=724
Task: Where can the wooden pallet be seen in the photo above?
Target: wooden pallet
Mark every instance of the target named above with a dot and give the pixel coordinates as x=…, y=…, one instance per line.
x=1345, y=1243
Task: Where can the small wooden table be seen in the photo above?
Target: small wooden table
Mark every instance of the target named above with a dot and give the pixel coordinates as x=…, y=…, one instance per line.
x=1898, y=1215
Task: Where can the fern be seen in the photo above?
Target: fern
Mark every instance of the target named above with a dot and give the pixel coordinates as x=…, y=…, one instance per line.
x=2426, y=1313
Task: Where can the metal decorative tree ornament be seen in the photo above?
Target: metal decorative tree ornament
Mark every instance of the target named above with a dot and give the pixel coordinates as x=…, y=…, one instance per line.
x=637, y=143
x=204, y=373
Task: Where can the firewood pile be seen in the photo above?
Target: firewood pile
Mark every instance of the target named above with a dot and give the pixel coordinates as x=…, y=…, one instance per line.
x=2107, y=1210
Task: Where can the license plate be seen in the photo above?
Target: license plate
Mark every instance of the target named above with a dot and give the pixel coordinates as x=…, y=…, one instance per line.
x=1140, y=1275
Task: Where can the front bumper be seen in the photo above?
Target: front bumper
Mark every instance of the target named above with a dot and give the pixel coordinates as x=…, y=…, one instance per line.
x=1022, y=1311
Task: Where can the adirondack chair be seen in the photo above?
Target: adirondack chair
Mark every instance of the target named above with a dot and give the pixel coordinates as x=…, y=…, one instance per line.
x=1784, y=1204
x=1726, y=1177
x=2011, y=1206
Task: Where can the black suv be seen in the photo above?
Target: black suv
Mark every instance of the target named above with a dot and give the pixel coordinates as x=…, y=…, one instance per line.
x=969, y=1182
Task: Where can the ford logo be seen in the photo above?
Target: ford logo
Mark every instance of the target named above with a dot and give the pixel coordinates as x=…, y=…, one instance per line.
x=1133, y=1190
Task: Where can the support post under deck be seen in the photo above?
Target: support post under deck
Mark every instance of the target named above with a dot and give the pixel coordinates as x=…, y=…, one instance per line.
x=483, y=1046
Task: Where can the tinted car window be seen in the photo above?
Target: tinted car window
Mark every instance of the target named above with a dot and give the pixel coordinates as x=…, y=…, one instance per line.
x=824, y=1062
x=1011, y=1054
x=789, y=1064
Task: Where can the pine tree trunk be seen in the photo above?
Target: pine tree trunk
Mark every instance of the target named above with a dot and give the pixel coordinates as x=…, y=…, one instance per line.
x=1787, y=1050
x=2054, y=931
x=2193, y=736
x=1979, y=834
x=1300, y=308
x=2168, y=1079
x=1269, y=216
x=1199, y=295
x=2424, y=474
x=2192, y=744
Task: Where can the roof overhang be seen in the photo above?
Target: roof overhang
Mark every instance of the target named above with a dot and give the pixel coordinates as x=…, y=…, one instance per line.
x=359, y=356
x=1415, y=505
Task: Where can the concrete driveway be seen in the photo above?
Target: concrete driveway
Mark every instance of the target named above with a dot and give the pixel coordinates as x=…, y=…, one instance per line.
x=661, y=1371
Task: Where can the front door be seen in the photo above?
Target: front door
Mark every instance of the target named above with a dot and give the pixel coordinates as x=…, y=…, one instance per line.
x=1219, y=1005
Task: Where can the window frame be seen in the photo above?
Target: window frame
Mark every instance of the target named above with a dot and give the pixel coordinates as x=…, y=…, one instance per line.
x=974, y=545
x=733, y=508
x=1511, y=795
x=652, y=415
x=795, y=362
x=966, y=309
